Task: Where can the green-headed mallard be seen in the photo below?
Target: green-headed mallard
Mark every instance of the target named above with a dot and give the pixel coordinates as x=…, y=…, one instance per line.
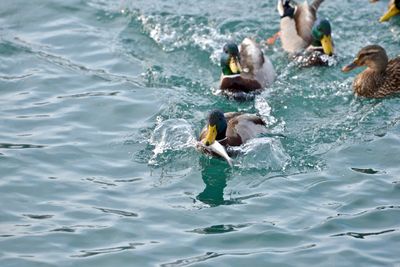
x=393, y=10
x=382, y=76
x=316, y=54
x=302, y=35
x=231, y=128
x=245, y=70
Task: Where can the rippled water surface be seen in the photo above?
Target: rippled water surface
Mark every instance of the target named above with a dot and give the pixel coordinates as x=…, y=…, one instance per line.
x=100, y=105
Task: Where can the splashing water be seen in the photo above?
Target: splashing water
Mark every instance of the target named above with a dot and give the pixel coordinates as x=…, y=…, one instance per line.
x=171, y=135
x=262, y=153
x=199, y=32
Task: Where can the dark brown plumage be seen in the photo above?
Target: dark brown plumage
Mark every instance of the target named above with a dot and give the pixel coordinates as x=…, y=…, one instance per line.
x=382, y=76
x=239, y=83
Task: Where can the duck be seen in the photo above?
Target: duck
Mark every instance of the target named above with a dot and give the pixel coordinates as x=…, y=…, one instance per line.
x=231, y=128
x=245, y=69
x=303, y=35
x=321, y=49
x=393, y=10
x=381, y=77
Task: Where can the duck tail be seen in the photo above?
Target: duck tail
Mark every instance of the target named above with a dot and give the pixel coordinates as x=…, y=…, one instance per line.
x=315, y=4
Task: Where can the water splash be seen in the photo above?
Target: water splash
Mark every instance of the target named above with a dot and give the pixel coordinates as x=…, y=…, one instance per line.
x=263, y=153
x=264, y=109
x=167, y=31
x=171, y=135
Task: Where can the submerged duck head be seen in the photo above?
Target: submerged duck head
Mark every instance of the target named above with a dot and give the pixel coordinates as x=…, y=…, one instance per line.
x=216, y=127
x=372, y=56
x=230, y=59
x=321, y=33
x=394, y=9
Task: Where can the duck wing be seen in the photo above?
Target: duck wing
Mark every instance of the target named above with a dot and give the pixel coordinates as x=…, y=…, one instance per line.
x=391, y=83
x=243, y=127
x=315, y=5
x=231, y=115
x=305, y=18
x=255, y=65
x=251, y=57
x=228, y=117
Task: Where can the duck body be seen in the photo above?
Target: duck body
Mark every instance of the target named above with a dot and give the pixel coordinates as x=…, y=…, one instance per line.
x=296, y=31
x=373, y=84
x=245, y=69
x=231, y=128
x=381, y=77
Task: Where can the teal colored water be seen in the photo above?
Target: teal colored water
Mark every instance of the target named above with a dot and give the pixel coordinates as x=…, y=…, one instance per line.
x=100, y=104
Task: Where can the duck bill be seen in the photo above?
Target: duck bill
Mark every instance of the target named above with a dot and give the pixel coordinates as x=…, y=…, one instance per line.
x=234, y=65
x=393, y=11
x=211, y=135
x=350, y=67
x=327, y=44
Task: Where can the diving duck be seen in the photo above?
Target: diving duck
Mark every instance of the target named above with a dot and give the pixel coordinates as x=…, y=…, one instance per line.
x=380, y=78
x=246, y=69
x=393, y=10
x=231, y=128
x=304, y=36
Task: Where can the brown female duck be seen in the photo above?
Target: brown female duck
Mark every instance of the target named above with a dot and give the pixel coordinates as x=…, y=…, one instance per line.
x=380, y=78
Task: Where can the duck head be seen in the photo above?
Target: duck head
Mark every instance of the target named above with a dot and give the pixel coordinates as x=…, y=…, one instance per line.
x=321, y=33
x=230, y=59
x=372, y=56
x=286, y=8
x=216, y=127
x=394, y=9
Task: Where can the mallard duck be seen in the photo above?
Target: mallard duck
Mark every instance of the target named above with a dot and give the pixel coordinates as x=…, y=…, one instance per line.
x=320, y=50
x=302, y=34
x=393, y=10
x=382, y=76
x=245, y=70
x=231, y=128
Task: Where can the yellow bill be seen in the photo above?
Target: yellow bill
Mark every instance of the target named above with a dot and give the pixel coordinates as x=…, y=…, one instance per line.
x=393, y=11
x=327, y=44
x=234, y=65
x=211, y=135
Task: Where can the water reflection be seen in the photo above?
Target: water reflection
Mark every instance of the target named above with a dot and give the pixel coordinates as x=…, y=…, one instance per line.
x=214, y=173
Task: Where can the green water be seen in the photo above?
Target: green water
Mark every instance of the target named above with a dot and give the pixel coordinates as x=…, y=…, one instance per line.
x=100, y=102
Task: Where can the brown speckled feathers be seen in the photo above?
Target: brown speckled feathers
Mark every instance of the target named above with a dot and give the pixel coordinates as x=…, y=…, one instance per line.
x=373, y=84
